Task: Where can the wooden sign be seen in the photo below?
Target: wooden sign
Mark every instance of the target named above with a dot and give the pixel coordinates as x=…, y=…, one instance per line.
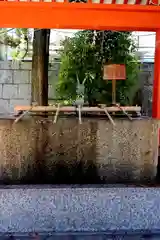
x=114, y=72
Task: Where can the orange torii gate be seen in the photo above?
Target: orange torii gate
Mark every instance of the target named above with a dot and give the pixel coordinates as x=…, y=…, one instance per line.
x=126, y=15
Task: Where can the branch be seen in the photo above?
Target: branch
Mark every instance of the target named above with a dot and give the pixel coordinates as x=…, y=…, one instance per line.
x=9, y=41
x=27, y=47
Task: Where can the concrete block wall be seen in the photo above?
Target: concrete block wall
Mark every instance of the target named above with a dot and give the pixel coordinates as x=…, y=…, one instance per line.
x=15, y=84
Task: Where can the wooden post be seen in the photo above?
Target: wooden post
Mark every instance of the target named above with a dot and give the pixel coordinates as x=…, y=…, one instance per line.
x=40, y=67
x=156, y=83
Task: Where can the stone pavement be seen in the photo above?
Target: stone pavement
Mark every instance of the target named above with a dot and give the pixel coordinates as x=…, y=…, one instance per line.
x=87, y=213
x=80, y=236
x=47, y=209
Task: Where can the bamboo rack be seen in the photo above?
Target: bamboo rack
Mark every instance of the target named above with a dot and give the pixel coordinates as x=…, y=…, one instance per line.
x=73, y=109
x=23, y=110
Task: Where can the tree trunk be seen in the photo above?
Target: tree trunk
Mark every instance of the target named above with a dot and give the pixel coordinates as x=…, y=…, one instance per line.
x=40, y=62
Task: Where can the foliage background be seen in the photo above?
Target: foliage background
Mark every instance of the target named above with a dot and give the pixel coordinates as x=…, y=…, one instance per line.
x=83, y=57
x=18, y=39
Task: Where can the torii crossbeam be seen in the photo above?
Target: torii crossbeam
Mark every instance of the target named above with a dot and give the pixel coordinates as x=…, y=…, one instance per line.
x=65, y=15
x=126, y=15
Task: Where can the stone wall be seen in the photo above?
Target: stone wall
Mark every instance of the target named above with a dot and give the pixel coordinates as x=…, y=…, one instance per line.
x=15, y=84
x=38, y=151
x=146, y=85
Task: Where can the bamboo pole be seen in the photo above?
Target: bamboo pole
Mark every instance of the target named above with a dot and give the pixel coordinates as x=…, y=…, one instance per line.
x=57, y=112
x=109, y=117
x=125, y=113
x=72, y=109
x=79, y=114
x=22, y=115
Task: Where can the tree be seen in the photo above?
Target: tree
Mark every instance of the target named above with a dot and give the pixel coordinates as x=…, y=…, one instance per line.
x=19, y=41
x=83, y=57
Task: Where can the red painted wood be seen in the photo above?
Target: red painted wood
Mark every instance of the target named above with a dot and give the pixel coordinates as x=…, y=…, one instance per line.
x=125, y=2
x=86, y=16
x=149, y=2
x=156, y=84
x=137, y=1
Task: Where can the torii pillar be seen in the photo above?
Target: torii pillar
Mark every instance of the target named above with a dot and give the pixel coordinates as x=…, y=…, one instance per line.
x=156, y=83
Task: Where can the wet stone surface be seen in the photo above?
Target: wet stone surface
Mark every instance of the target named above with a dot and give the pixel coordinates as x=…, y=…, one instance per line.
x=94, y=152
